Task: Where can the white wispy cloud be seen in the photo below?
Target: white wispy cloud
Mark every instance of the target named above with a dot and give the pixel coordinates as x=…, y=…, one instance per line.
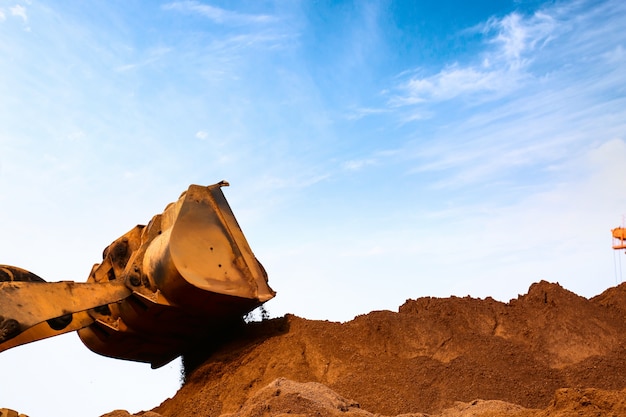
x=617, y=54
x=362, y=112
x=455, y=81
x=217, y=14
x=518, y=143
x=246, y=41
x=150, y=56
x=299, y=181
x=516, y=35
x=202, y=134
x=357, y=164
x=226, y=46
x=19, y=11
x=555, y=75
x=501, y=70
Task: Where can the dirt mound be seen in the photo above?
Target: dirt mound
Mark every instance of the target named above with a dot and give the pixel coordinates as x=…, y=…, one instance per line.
x=443, y=356
x=284, y=397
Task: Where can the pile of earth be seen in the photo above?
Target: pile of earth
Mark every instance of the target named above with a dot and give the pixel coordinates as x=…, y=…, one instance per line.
x=547, y=353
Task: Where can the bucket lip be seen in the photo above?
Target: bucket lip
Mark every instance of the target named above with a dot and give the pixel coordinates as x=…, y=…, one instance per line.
x=203, y=229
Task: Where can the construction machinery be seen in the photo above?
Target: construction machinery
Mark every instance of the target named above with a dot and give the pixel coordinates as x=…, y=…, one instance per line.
x=619, y=237
x=6, y=412
x=160, y=288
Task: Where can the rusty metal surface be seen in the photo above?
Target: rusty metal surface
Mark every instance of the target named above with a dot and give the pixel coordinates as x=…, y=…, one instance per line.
x=191, y=271
x=43, y=330
x=186, y=275
x=52, y=305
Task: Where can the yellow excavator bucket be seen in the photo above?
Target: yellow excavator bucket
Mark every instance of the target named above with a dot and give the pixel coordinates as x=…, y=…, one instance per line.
x=186, y=276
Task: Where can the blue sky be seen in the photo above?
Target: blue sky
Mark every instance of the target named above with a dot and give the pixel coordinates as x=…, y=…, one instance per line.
x=376, y=150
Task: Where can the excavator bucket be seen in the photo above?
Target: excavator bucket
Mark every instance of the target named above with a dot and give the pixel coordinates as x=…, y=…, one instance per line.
x=186, y=276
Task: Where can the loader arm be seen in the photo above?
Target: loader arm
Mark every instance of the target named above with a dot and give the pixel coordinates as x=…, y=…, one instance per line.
x=49, y=308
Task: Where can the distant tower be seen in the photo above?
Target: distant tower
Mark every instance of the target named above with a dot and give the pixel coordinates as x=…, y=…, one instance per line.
x=619, y=238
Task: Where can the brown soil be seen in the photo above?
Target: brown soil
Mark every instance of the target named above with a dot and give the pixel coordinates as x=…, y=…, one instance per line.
x=547, y=353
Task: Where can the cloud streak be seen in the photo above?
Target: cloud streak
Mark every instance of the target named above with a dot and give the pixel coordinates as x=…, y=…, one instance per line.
x=19, y=11
x=516, y=35
x=454, y=82
x=516, y=110
x=218, y=15
x=511, y=45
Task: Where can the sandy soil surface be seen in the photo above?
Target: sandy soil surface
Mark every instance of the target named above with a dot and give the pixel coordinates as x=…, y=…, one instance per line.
x=547, y=353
